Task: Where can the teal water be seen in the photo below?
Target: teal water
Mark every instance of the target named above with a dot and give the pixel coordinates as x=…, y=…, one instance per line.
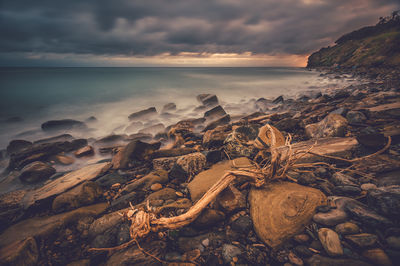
x=35, y=95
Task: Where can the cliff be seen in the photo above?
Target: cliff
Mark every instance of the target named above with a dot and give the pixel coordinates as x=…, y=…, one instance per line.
x=374, y=46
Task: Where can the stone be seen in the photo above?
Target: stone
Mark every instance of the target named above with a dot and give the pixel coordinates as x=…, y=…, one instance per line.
x=134, y=153
x=107, y=180
x=356, y=117
x=63, y=159
x=362, y=213
x=163, y=194
x=214, y=156
x=215, y=138
x=164, y=163
x=58, y=138
x=385, y=200
x=85, y=151
x=63, y=124
x=335, y=215
x=290, y=208
x=243, y=224
x=169, y=107
x=302, y=238
x=154, y=129
x=156, y=187
x=377, y=256
x=294, y=259
x=368, y=186
x=84, y=194
x=36, y=172
x=144, y=183
x=340, y=111
x=192, y=163
x=17, y=145
x=24, y=252
x=278, y=99
x=65, y=183
x=177, y=173
x=393, y=242
x=231, y=200
x=288, y=125
x=346, y=190
x=318, y=260
x=333, y=125
x=219, y=122
x=134, y=197
x=371, y=138
x=215, y=112
x=208, y=99
x=104, y=223
x=347, y=228
x=362, y=240
x=143, y=114
x=236, y=144
x=340, y=179
x=229, y=252
x=45, y=226
x=208, y=218
x=330, y=241
x=174, y=152
x=206, y=179
x=11, y=208
x=113, y=138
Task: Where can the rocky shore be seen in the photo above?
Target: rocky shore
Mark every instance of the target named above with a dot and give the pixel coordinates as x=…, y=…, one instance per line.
x=326, y=186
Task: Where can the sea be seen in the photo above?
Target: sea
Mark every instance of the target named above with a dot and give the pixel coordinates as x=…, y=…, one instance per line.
x=32, y=96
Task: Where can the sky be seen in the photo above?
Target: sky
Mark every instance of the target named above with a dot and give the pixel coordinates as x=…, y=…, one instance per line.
x=177, y=32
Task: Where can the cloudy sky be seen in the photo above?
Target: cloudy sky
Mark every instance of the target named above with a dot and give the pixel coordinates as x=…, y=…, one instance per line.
x=177, y=32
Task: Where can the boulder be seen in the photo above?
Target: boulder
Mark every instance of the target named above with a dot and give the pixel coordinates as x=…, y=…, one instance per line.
x=371, y=138
x=58, y=138
x=84, y=194
x=63, y=124
x=330, y=241
x=215, y=112
x=208, y=99
x=237, y=143
x=169, y=107
x=134, y=153
x=356, y=117
x=362, y=240
x=143, y=114
x=17, y=145
x=290, y=208
x=154, y=129
x=377, y=256
x=333, y=125
x=192, y=163
x=144, y=183
x=35, y=172
x=215, y=138
x=385, y=200
x=219, y=122
x=85, y=151
x=65, y=183
x=347, y=228
x=24, y=252
x=206, y=179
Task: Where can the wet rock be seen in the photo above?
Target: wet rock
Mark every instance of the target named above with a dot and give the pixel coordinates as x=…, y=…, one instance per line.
x=85, y=151
x=123, y=201
x=371, y=138
x=215, y=112
x=318, y=260
x=84, y=194
x=340, y=111
x=365, y=215
x=143, y=114
x=65, y=182
x=243, y=224
x=107, y=180
x=385, y=200
x=340, y=179
x=368, y=186
x=331, y=126
x=64, y=124
x=63, y=159
x=104, y=223
x=169, y=107
x=263, y=104
x=35, y=172
x=356, y=117
x=219, y=122
x=334, y=216
x=144, y=183
x=231, y=199
x=288, y=125
x=377, y=256
x=172, y=152
x=393, y=242
x=236, y=144
x=215, y=138
x=17, y=145
x=163, y=194
x=192, y=163
x=157, y=128
x=362, y=240
x=229, y=252
x=278, y=99
x=290, y=207
x=134, y=153
x=206, y=179
x=11, y=208
x=208, y=99
x=23, y=252
x=208, y=218
x=347, y=190
x=347, y=228
x=113, y=138
x=330, y=241
x=214, y=156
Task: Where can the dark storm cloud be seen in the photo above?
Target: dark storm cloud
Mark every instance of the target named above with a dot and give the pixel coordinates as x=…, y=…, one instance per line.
x=150, y=27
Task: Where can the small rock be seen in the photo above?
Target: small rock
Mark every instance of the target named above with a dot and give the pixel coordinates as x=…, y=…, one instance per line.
x=85, y=151
x=156, y=187
x=17, y=145
x=215, y=112
x=294, y=259
x=231, y=199
x=318, y=260
x=64, y=160
x=356, y=117
x=362, y=240
x=333, y=125
x=368, y=186
x=385, y=200
x=243, y=224
x=169, y=107
x=229, y=252
x=302, y=238
x=179, y=194
x=143, y=114
x=340, y=111
x=219, y=122
x=208, y=99
x=63, y=124
x=209, y=218
x=192, y=163
x=347, y=228
x=214, y=156
x=35, y=172
x=330, y=241
x=393, y=242
x=377, y=256
x=205, y=242
x=303, y=251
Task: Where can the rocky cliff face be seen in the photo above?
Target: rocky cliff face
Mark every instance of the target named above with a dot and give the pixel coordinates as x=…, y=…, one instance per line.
x=373, y=46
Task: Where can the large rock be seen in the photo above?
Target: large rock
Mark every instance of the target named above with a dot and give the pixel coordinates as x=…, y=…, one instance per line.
x=215, y=112
x=208, y=99
x=65, y=182
x=231, y=199
x=290, y=207
x=85, y=151
x=11, y=208
x=17, y=145
x=219, y=122
x=135, y=152
x=143, y=114
x=169, y=107
x=44, y=227
x=192, y=163
x=63, y=124
x=385, y=200
x=333, y=125
x=154, y=129
x=35, y=172
x=237, y=144
x=24, y=252
x=330, y=241
x=206, y=179
x=144, y=183
x=84, y=194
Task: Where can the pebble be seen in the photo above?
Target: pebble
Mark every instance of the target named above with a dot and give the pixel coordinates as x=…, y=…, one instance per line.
x=330, y=241
x=156, y=187
x=368, y=186
x=179, y=194
x=393, y=242
x=205, y=242
x=229, y=252
x=294, y=259
x=302, y=238
x=347, y=228
x=362, y=240
x=377, y=256
x=303, y=251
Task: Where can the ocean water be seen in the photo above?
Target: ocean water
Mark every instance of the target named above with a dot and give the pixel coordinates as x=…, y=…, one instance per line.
x=31, y=96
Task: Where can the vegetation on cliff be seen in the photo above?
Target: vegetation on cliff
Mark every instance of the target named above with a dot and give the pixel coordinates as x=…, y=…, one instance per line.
x=373, y=46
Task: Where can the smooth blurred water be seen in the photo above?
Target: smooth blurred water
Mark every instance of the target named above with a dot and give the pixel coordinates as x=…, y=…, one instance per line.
x=110, y=94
